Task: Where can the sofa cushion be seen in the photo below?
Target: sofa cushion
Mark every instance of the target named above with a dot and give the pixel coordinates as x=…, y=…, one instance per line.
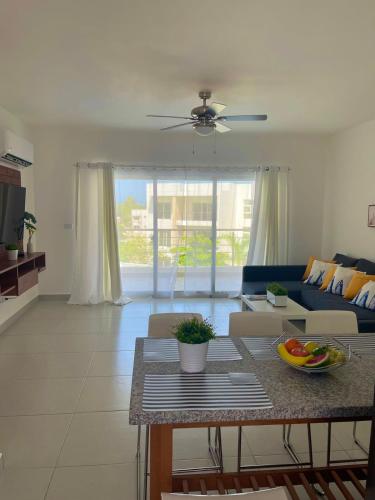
x=318, y=272
x=272, y=273
x=367, y=266
x=315, y=299
x=340, y=280
x=259, y=288
x=345, y=260
x=366, y=296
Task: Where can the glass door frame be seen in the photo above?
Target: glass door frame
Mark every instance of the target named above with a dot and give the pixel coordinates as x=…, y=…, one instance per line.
x=156, y=292
x=238, y=173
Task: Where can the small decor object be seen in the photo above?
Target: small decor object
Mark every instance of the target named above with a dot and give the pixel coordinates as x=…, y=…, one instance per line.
x=12, y=251
x=311, y=357
x=371, y=216
x=277, y=295
x=193, y=336
x=30, y=221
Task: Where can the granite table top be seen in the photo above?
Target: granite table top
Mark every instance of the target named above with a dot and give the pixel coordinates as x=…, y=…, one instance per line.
x=346, y=393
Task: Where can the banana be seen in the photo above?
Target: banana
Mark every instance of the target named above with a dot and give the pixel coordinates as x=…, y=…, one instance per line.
x=289, y=358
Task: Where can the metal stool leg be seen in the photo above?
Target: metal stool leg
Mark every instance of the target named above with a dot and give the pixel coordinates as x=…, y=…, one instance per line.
x=145, y=477
x=219, y=448
x=287, y=429
x=329, y=443
x=215, y=449
x=239, y=449
x=138, y=460
x=287, y=445
x=357, y=441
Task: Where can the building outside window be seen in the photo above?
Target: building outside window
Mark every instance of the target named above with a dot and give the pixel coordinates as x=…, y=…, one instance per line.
x=247, y=209
x=165, y=238
x=202, y=210
x=164, y=210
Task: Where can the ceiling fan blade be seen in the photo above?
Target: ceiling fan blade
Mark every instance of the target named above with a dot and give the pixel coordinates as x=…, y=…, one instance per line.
x=179, y=125
x=217, y=107
x=169, y=116
x=221, y=128
x=243, y=118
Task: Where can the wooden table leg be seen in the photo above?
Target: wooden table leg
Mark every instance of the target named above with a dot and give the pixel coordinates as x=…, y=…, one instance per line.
x=161, y=450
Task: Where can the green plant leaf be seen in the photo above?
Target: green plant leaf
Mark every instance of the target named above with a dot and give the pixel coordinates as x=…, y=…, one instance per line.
x=277, y=289
x=194, y=331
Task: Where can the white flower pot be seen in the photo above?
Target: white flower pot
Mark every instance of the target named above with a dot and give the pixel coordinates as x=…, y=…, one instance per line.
x=277, y=300
x=12, y=254
x=193, y=357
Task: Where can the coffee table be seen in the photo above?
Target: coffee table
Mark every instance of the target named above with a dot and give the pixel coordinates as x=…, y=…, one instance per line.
x=292, y=311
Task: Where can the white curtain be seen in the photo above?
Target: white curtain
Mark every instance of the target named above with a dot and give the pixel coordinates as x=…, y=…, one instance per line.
x=96, y=276
x=269, y=229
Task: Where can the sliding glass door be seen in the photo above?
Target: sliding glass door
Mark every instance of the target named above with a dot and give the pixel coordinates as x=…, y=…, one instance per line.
x=234, y=216
x=186, y=234
x=135, y=228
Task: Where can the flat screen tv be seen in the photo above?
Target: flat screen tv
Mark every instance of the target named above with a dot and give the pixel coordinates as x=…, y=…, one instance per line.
x=12, y=209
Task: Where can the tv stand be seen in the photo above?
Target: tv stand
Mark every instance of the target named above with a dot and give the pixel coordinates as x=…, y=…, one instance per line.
x=17, y=276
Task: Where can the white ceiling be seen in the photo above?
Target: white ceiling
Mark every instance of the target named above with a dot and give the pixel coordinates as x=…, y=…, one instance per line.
x=309, y=64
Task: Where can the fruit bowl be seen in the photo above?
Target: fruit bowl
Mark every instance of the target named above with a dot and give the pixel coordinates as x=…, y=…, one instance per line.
x=311, y=357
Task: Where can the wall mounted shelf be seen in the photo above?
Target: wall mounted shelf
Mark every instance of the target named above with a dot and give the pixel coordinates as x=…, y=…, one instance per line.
x=17, y=276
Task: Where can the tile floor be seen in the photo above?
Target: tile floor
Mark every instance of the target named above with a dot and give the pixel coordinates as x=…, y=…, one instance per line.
x=65, y=378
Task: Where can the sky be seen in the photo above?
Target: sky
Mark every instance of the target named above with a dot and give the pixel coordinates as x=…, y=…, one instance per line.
x=135, y=188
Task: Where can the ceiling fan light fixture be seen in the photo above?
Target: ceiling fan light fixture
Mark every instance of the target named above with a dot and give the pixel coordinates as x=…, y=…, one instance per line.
x=204, y=128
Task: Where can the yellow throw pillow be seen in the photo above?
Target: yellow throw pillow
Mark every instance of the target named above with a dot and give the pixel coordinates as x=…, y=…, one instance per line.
x=356, y=283
x=328, y=276
x=308, y=268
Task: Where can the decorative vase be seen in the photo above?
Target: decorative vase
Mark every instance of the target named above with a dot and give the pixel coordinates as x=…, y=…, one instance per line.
x=193, y=357
x=20, y=247
x=30, y=245
x=277, y=300
x=12, y=254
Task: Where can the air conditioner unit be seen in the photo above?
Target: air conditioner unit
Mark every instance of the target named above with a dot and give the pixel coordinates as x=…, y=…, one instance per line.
x=15, y=149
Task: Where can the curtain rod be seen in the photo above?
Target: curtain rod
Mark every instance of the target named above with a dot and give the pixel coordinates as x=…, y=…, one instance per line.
x=178, y=167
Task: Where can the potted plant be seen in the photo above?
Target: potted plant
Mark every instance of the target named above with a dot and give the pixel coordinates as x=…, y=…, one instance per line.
x=193, y=336
x=277, y=295
x=30, y=221
x=12, y=251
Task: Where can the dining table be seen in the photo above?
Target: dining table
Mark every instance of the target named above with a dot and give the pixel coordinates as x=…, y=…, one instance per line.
x=245, y=383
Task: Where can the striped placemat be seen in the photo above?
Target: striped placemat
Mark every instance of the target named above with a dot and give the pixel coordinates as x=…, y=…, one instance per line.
x=160, y=350
x=202, y=391
x=361, y=345
x=261, y=348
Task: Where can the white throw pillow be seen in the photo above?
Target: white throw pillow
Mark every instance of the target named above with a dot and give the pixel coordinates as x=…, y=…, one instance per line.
x=340, y=281
x=366, y=296
x=317, y=273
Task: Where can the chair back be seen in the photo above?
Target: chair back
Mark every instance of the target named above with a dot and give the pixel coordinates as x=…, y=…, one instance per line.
x=269, y=494
x=161, y=325
x=331, y=323
x=252, y=324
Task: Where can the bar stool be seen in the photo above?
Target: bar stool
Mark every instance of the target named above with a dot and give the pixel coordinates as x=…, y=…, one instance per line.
x=161, y=326
x=261, y=324
x=343, y=323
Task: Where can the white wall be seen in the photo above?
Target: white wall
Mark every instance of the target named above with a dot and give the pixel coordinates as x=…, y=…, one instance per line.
x=350, y=188
x=9, y=121
x=59, y=148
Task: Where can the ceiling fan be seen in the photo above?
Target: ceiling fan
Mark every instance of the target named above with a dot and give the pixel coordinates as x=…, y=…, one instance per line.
x=205, y=119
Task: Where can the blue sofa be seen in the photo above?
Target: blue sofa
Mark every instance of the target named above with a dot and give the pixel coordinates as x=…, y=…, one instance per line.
x=256, y=278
